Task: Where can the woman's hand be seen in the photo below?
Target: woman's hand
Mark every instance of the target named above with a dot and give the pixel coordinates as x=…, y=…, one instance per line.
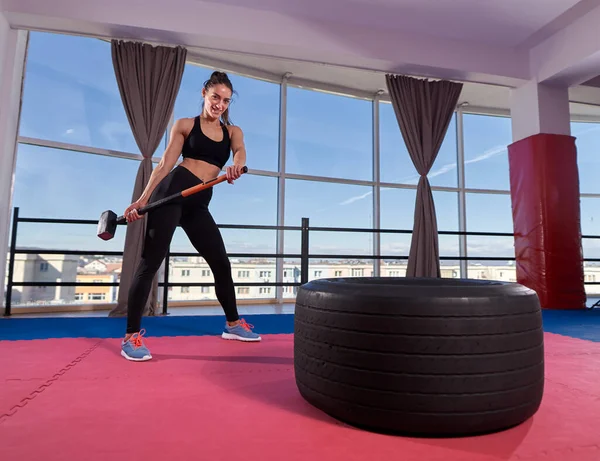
x=131, y=213
x=233, y=172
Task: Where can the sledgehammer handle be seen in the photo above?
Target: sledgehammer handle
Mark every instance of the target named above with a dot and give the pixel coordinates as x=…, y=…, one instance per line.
x=184, y=193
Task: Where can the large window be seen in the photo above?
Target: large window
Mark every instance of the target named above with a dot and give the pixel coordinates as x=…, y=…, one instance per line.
x=62, y=184
x=395, y=161
x=76, y=162
x=590, y=226
x=329, y=204
x=446, y=208
x=490, y=213
x=71, y=94
x=587, y=140
x=396, y=164
x=329, y=135
x=397, y=212
x=486, y=140
x=71, y=102
x=443, y=173
x=398, y=204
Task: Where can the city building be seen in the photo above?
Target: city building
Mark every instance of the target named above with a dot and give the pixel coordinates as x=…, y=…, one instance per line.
x=89, y=295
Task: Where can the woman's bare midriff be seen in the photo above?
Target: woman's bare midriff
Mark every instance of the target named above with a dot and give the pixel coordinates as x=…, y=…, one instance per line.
x=203, y=170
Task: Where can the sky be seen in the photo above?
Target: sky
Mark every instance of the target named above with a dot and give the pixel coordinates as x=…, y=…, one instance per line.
x=71, y=96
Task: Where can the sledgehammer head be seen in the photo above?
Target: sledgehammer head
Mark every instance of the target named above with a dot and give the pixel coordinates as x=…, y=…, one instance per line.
x=107, y=225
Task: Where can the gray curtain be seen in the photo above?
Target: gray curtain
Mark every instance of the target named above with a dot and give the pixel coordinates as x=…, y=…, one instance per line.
x=424, y=110
x=149, y=78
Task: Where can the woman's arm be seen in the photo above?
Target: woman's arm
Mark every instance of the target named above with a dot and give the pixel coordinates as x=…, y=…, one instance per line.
x=239, y=154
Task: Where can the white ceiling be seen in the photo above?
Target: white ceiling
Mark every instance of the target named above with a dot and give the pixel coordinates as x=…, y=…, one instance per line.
x=366, y=83
x=494, y=22
x=474, y=40
x=335, y=45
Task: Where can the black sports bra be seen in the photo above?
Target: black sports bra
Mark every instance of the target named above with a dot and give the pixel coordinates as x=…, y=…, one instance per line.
x=200, y=147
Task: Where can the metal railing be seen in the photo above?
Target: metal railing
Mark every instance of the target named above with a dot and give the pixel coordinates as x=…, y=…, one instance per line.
x=304, y=255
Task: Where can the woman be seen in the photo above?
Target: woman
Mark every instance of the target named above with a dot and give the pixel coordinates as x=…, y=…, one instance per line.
x=206, y=142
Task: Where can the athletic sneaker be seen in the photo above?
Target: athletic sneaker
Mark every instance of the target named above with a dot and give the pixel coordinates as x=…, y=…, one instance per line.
x=134, y=348
x=240, y=332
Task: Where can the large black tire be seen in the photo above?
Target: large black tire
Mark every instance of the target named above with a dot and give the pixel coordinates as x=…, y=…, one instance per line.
x=431, y=357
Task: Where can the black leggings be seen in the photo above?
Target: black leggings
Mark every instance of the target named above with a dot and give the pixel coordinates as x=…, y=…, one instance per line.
x=191, y=213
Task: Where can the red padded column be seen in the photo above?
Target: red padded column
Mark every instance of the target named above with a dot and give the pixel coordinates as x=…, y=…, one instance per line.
x=544, y=183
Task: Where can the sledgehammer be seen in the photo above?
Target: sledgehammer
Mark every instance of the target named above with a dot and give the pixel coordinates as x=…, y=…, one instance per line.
x=107, y=225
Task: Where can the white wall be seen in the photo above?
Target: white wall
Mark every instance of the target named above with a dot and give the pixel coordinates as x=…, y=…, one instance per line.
x=12, y=56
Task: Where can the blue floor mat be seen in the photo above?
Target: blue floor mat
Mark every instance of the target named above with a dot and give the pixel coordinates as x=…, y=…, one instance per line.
x=114, y=327
x=582, y=324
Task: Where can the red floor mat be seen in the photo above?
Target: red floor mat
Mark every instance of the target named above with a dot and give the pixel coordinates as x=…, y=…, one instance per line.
x=205, y=398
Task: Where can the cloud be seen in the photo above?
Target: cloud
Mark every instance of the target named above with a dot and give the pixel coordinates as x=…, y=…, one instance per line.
x=444, y=169
x=488, y=154
x=394, y=247
x=490, y=246
x=595, y=127
x=357, y=198
x=414, y=180
x=452, y=166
